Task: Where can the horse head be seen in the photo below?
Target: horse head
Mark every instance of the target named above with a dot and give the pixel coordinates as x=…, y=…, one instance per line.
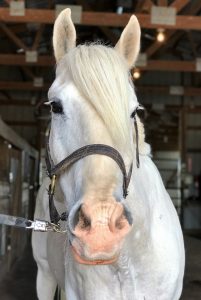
x=92, y=100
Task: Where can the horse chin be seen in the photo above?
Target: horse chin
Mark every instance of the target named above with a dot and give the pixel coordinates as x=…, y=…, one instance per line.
x=100, y=260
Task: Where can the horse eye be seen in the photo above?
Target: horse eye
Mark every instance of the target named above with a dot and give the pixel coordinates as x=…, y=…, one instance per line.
x=141, y=113
x=56, y=107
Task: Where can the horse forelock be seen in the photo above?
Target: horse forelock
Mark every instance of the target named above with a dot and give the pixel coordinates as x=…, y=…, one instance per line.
x=102, y=78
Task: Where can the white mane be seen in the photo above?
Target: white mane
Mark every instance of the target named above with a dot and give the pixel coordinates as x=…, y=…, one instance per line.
x=101, y=76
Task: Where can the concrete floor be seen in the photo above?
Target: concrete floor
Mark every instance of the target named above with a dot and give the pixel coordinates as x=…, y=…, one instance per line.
x=19, y=284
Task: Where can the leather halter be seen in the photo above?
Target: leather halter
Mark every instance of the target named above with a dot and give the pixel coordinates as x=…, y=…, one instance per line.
x=100, y=149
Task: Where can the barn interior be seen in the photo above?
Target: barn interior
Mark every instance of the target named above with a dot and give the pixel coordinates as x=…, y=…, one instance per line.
x=167, y=79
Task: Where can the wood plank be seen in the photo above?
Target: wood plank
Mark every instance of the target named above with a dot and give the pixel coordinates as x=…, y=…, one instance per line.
x=16, y=103
x=47, y=16
x=13, y=37
x=28, y=86
x=179, y=4
x=22, y=85
x=19, y=60
x=188, y=91
x=152, y=65
x=162, y=3
x=165, y=65
x=144, y=6
x=38, y=37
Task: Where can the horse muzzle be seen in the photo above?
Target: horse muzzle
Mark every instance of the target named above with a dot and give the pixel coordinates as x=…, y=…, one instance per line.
x=99, y=232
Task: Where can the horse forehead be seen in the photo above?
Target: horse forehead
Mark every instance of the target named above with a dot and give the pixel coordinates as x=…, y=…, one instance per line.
x=63, y=89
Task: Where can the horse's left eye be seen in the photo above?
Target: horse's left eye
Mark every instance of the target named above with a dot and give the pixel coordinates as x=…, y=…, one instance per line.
x=56, y=107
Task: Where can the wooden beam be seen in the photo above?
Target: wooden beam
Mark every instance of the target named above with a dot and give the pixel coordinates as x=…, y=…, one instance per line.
x=28, y=72
x=13, y=37
x=188, y=91
x=162, y=3
x=152, y=65
x=176, y=108
x=47, y=16
x=6, y=103
x=179, y=4
x=17, y=28
x=19, y=60
x=165, y=65
x=21, y=85
x=38, y=37
x=143, y=6
x=28, y=86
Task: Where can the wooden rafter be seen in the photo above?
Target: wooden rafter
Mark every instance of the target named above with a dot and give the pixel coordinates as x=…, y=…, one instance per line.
x=19, y=60
x=27, y=102
x=143, y=6
x=13, y=37
x=179, y=4
x=38, y=37
x=21, y=85
x=187, y=91
x=29, y=86
x=28, y=72
x=162, y=3
x=152, y=65
x=47, y=16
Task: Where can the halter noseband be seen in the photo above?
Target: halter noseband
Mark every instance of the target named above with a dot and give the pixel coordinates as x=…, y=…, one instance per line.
x=54, y=170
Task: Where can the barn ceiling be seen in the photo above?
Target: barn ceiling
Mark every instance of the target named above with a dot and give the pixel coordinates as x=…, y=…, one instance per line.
x=103, y=20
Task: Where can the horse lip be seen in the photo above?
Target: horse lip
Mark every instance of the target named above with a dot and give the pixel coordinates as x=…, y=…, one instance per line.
x=78, y=258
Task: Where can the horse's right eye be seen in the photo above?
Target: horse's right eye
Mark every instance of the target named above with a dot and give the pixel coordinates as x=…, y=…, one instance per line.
x=57, y=107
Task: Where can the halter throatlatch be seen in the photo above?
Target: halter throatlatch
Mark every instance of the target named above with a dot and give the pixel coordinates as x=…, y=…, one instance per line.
x=54, y=170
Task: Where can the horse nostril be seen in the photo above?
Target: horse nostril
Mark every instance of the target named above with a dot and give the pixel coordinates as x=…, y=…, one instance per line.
x=120, y=222
x=84, y=221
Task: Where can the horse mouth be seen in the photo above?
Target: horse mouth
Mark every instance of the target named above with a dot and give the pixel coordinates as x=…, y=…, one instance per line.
x=85, y=261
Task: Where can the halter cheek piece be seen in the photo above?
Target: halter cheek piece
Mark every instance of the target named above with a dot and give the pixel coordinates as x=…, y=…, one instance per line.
x=100, y=149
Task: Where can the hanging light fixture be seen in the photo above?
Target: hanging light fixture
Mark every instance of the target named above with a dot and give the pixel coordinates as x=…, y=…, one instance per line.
x=160, y=35
x=136, y=74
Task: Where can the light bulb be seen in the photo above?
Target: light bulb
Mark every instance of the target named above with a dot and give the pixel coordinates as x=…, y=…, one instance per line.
x=160, y=35
x=136, y=74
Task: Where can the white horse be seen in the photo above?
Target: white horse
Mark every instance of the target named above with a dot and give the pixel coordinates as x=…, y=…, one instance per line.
x=114, y=248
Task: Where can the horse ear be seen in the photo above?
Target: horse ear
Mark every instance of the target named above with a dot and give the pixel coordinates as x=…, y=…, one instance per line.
x=129, y=43
x=64, y=34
